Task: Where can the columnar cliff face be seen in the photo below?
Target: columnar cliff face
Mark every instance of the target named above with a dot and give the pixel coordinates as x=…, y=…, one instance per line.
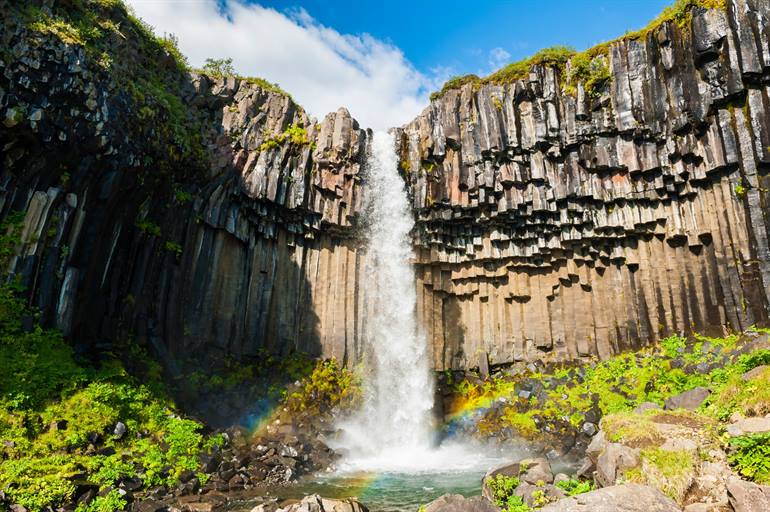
x=213, y=218
x=559, y=226
x=249, y=247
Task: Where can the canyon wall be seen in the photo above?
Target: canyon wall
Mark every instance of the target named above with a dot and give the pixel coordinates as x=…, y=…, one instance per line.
x=250, y=248
x=559, y=226
x=212, y=218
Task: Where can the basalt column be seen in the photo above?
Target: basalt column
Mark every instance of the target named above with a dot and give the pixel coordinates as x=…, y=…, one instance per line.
x=556, y=225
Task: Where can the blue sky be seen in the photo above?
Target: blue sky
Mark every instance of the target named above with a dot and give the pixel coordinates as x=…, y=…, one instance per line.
x=381, y=60
x=460, y=34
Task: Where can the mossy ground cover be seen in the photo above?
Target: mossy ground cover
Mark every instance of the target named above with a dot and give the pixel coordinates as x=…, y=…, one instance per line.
x=536, y=404
x=589, y=67
x=69, y=423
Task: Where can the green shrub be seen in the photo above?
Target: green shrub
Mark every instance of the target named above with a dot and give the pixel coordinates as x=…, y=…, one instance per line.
x=751, y=456
x=503, y=488
x=219, y=68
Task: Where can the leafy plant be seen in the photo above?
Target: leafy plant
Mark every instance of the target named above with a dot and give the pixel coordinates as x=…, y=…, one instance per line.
x=751, y=456
x=503, y=488
x=573, y=486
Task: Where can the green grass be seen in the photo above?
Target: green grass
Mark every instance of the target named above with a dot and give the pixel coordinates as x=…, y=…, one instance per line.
x=671, y=471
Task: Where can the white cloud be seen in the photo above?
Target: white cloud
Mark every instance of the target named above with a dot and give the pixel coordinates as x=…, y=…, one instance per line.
x=498, y=58
x=321, y=68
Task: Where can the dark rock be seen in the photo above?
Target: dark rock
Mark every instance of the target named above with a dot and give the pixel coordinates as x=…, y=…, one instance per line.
x=689, y=400
x=131, y=484
x=209, y=463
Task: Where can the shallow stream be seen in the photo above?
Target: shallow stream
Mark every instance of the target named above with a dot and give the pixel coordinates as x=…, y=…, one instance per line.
x=382, y=492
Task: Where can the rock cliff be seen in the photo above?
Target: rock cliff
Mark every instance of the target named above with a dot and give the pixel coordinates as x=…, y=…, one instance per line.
x=212, y=217
x=558, y=225
x=225, y=228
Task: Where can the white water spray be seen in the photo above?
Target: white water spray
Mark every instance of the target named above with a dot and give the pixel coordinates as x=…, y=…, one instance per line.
x=395, y=420
x=393, y=430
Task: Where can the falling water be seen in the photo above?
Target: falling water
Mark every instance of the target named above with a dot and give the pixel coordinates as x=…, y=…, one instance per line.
x=395, y=420
x=392, y=432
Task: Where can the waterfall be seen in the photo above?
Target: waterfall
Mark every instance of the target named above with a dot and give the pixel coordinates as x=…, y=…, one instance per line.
x=393, y=431
x=394, y=422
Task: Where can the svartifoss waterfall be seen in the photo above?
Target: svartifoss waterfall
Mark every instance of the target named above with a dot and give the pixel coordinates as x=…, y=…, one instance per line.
x=393, y=430
x=395, y=420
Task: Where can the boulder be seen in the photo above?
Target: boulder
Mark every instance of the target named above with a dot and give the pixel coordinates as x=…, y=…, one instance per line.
x=748, y=496
x=315, y=503
x=749, y=426
x=754, y=373
x=689, y=400
x=617, y=498
x=533, y=494
x=458, y=503
x=535, y=471
x=613, y=461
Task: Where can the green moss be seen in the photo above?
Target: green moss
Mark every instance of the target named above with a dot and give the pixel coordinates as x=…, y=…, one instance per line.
x=329, y=384
x=173, y=247
x=295, y=135
x=631, y=429
x=671, y=471
x=503, y=488
x=749, y=397
x=573, y=487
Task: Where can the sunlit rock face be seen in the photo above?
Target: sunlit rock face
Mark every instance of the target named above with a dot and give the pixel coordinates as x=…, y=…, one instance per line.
x=547, y=225
x=563, y=226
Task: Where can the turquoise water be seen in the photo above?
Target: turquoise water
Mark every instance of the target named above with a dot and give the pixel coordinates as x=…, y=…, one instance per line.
x=384, y=492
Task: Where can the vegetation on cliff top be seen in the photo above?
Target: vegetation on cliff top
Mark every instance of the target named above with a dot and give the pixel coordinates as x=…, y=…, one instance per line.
x=589, y=67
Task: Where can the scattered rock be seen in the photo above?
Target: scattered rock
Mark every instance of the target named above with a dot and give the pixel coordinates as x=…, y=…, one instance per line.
x=315, y=503
x=743, y=426
x=748, y=496
x=120, y=430
x=755, y=372
x=589, y=429
x=689, y=400
x=458, y=503
x=617, y=498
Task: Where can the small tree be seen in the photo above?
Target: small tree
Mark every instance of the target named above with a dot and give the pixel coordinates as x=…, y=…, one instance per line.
x=219, y=67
